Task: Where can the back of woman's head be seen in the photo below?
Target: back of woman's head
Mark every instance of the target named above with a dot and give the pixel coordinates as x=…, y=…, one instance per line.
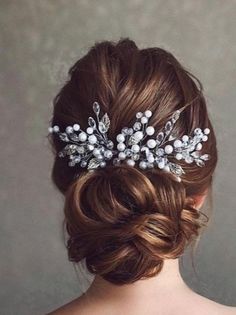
x=122, y=220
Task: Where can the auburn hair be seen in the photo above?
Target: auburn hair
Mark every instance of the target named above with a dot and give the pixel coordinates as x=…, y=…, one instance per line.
x=122, y=220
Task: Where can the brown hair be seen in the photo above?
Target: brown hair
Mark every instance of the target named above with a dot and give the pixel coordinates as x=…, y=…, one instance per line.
x=123, y=220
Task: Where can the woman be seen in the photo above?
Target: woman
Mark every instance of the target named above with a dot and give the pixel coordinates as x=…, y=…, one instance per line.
x=132, y=206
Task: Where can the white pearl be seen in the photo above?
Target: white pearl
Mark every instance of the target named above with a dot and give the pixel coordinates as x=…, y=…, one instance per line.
x=179, y=156
x=168, y=149
x=89, y=130
x=177, y=143
x=167, y=168
x=92, y=139
x=96, y=152
x=151, y=158
x=206, y=131
x=120, y=137
x=122, y=155
x=161, y=164
x=199, y=146
x=135, y=148
x=108, y=154
x=143, y=164
x=82, y=136
x=130, y=162
x=185, y=138
x=204, y=138
x=69, y=129
x=90, y=147
x=56, y=128
x=138, y=135
x=144, y=120
x=151, y=143
x=150, y=130
x=139, y=115
x=148, y=113
x=121, y=146
x=50, y=129
x=76, y=127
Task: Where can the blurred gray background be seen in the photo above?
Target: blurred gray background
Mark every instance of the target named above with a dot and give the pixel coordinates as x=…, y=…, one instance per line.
x=39, y=41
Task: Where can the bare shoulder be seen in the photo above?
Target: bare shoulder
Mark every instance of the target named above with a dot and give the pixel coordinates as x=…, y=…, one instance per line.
x=208, y=307
x=81, y=306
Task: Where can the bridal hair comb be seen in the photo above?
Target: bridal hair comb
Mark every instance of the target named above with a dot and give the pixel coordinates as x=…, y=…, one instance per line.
x=92, y=149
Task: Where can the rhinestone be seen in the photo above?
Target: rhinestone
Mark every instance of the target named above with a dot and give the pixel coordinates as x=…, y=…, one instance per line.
x=160, y=151
x=204, y=138
x=197, y=131
x=128, y=152
x=137, y=126
x=50, y=129
x=139, y=115
x=116, y=161
x=71, y=163
x=81, y=150
x=130, y=131
x=136, y=157
x=108, y=154
x=185, y=138
x=110, y=144
x=125, y=130
x=69, y=129
x=83, y=164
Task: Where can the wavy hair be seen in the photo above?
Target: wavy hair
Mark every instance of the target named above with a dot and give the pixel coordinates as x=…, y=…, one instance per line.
x=122, y=220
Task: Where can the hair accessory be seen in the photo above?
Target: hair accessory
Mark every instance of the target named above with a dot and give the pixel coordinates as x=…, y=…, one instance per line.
x=93, y=149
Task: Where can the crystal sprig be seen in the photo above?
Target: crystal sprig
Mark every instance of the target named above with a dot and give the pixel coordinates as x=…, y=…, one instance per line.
x=93, y=149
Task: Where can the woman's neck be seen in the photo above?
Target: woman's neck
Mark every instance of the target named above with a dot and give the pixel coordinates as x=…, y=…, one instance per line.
x=168, y=280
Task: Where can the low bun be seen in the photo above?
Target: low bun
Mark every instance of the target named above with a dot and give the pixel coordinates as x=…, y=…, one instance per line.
x=125, y=223
x=121, y=220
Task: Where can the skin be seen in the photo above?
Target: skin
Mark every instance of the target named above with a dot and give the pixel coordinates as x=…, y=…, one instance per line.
x=164, y=294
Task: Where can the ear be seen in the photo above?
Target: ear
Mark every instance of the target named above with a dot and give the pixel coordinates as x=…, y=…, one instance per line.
x=199, y=200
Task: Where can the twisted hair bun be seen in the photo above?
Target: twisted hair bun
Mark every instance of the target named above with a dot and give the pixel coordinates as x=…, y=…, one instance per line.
x=122, y=220
x=125, y=224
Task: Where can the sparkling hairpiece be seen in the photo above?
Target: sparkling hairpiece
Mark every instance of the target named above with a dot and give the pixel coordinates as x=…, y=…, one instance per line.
x=92, y=149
